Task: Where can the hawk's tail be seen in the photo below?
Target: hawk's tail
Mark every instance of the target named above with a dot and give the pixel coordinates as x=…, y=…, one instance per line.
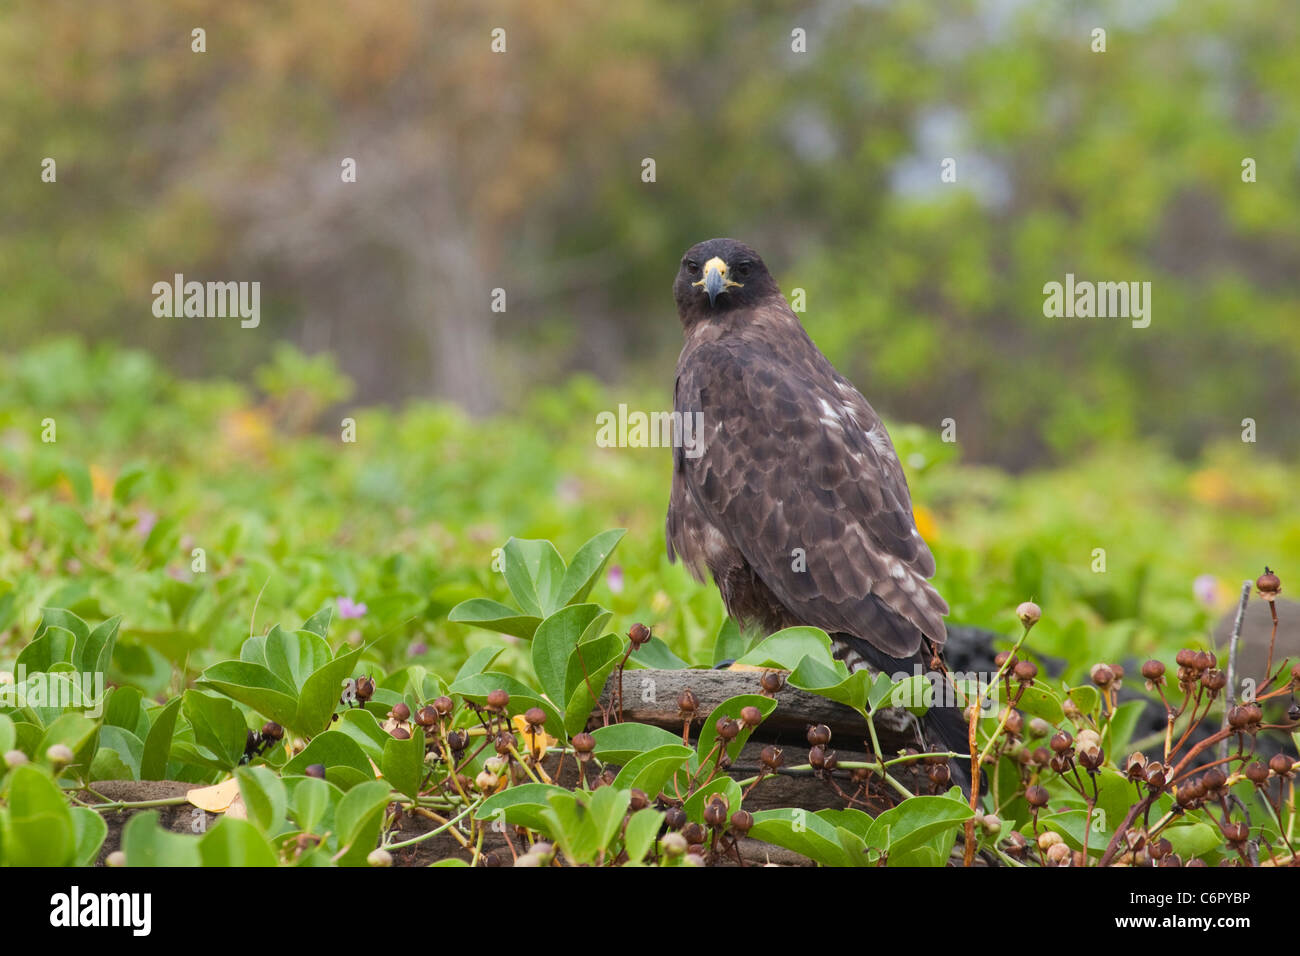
x=943, y=728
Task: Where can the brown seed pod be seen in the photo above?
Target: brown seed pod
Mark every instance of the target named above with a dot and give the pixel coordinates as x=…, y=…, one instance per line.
x=400, y=712
x=1037, y=797
x=638, y=801
x=426, y=716
x=1268, y=584
x=1025, y=672
x=687, y=702
x=443, y=705
x=1153, y=670
x=1102, y=675
x=1214, y=680
x=819, y=734
x=715, y=814
x=1029, y=614
x=638, y=634
x=675, y=817
x=751, y=716
x=584, y=743
x=457, y=740
x=817, y=756
x=770, y=757
x=272, y=731
x=365, y=688
x=742, y=821
x=727, y=728
x=1281, y=765
x=1061, y=741
x=535, y=717
x=1257, y=773
x=694, y=833
x=401, y=733
x=498, y=700
x=771, y=682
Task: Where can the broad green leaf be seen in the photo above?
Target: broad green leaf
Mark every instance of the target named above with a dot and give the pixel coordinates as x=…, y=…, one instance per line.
x=234, y=843
x=333, y=750
x=731, y=708
x=319, y=697
x=534, y=573
x=295, y=656
x=359, y=818
x=89, y=829
x=914, y=822
x=554, y=642
x=158, y=745
x=40, y=829
x=218, y=726
x=652, y=770
x=403, y=763
x=480, y=660
x=730, y=644
x=522, y=697
x=834, y=684
x=785, y=649
x=255, y=686
x=264, y=796
x=802, y=832
x=146, y=843
x=319, y=623
x=585, y=568
x=590, y=664
x=519, y=806
x=494, y=616
x=639, y=836
x=620, y=743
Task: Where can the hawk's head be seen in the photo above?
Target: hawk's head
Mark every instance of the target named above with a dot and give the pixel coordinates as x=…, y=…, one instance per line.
x=720, y=275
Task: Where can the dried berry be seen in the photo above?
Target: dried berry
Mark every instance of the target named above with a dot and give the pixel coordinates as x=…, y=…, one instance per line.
x=770, y=757
x=1281, y=765
x=426, y=716
x=1214, y=680
x=638, y=801
x=443, y=706
x=771, y=682
x=1061, y=741
x=817, y=756
x=272, y=731
x=727, y=728
x=819, y=734
x=401, y=733
x=638, y=634
x=1025, y=672
x=675, y=817
x=1257, y=773
x=1037, y=797
x=751, y=716
x=1153, y=670
x=1029, y=614
x=498, y=700
x=715, y=814
x=1268, y=584
x=505, y=742
x=687, y=702
x=584, y=743
x=694, y=833
x=1102, y=675
x=400, y=712
x=458, y=740
x=742, y=821
x=365, y=688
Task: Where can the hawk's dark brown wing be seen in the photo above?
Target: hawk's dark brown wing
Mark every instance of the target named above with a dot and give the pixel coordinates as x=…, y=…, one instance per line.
x=798, y=472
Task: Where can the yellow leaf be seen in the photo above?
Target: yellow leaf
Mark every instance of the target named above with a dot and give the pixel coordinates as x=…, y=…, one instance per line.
x=216, y=798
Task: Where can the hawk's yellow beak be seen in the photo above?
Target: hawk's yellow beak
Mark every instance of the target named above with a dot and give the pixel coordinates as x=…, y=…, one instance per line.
x=715, y=280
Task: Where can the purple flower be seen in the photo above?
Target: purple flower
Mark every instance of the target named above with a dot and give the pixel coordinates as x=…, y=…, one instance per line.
x=350, y=608
x=144, y=522
x=614, y=578
x=1206, y=589
x=417, y=648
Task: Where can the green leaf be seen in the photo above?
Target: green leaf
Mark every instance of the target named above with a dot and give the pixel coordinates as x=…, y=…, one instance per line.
x=642, y=828
x=521, y=805
x=319, y=698
x=589, y=665
x=656, y=654
x=255, y=686
x=40, y=829
x=1191, y=840
x=218, y=726
x=833, y=683
x=89, y=830
x=914, y=822
x=293, y=657
x=1122, y=724
x=522, y=697
x=146, y=843
x=620, y=743
x=785, y=649
x=555, y=640
x=128, y=747
x=344, y=762
x=403, y=763
x=319, y=623
x=585, y=568
x=480, y=661
x=94, y=653
x=75, y=731
x=802, y=832
x=310, y=799
x=158, y=745
x=731, y=708
x=729, y=644
x=494, y=616
x=265, y=797
x=359, y=817
x=235, y=843
x=652, y=770
x=534, y=573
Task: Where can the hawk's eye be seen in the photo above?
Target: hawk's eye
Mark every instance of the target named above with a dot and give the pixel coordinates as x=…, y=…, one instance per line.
x=742, y=270
x=691, y=265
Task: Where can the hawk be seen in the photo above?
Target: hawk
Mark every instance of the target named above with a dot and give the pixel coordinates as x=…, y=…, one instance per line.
x=792, y=497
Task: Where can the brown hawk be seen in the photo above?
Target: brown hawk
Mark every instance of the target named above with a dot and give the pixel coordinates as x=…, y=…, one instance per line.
x=792, y=496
